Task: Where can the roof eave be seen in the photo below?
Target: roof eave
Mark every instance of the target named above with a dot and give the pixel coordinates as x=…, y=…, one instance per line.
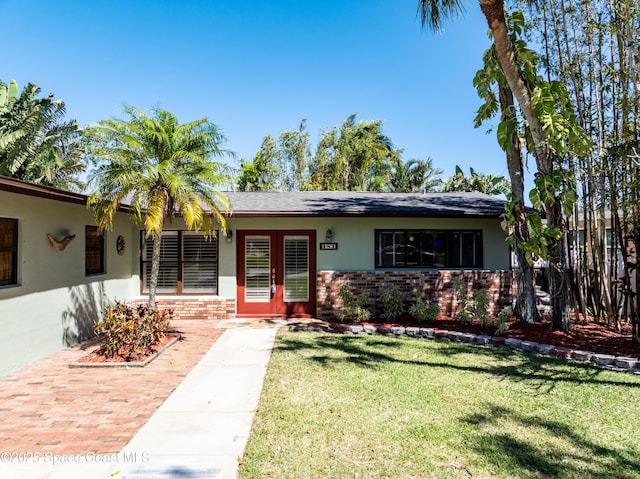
x=13, y=185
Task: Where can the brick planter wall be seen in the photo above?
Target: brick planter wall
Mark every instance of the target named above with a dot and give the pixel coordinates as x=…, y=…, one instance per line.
x=196, y=307
x=435, y=286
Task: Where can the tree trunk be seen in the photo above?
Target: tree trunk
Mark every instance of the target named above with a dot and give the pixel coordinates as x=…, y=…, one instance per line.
x=493, y=11
x=155, y=268
x=525, y=307
x=558, y=277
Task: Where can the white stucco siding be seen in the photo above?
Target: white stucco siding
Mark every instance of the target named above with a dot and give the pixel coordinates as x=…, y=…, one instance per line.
x=55, y=303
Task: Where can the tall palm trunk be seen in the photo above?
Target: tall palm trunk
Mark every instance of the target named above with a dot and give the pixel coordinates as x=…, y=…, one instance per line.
x=155, y=269
x=493, y=11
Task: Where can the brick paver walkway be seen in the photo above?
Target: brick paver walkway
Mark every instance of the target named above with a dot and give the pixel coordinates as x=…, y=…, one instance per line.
x=49, y=408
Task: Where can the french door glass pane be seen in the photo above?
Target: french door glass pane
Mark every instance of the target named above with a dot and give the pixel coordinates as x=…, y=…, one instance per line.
x=257, y=269
x=296, y=268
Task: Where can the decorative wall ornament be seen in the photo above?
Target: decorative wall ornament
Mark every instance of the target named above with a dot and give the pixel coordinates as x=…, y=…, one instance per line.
x=62, y=244
x=120, y=245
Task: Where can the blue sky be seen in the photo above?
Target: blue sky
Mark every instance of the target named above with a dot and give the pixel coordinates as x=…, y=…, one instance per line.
x=260, y=67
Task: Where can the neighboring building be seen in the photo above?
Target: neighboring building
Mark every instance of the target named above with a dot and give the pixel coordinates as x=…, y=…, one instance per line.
x=285, y=254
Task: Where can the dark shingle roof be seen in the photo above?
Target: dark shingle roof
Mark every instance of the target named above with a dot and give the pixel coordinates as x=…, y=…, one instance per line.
x=320, y=203
x=349, y=203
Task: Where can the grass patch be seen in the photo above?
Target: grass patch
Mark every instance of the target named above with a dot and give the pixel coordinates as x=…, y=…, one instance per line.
x=340, y=406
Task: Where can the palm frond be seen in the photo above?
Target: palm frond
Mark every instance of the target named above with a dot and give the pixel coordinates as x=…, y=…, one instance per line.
x=161, y=166
x=433, y=13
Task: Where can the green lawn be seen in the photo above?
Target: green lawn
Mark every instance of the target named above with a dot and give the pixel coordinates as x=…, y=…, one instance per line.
x=340, y=406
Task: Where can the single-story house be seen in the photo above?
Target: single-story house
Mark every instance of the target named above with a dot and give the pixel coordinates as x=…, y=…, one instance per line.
x=284, y=254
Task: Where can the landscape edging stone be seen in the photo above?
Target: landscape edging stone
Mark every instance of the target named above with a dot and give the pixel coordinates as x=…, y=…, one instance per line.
x=604, y=361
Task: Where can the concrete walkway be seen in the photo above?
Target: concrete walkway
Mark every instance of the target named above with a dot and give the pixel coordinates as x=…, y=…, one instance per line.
x=202, y=428
x=199, y=432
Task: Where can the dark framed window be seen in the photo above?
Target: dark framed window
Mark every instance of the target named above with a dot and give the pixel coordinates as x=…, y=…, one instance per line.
x=8, y=251
x=188, y=263
x=428, y=249
x=93, y=251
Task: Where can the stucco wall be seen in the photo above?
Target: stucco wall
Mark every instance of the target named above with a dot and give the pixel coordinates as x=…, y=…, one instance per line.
x=55, y=303
x=356, y=241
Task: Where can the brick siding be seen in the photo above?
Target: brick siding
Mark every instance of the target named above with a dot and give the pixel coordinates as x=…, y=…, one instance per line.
x=433, y=285
x=196, y=307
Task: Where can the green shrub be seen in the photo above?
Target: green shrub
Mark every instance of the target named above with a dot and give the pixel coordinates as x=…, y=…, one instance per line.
x=391, y=300
x=470, y=308
x=465, y=307
x=481, y=307
x=503, y=317
x=424, y=312
x=128, y=331
x=353, y=310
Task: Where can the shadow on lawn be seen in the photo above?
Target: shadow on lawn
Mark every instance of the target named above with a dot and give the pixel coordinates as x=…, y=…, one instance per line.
x=351, y=347
x=569, y=455
x=583, y=458
x=543, y=373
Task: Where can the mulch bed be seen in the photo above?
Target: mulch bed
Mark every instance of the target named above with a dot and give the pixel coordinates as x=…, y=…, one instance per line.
x=586, y=336
x=98, y=356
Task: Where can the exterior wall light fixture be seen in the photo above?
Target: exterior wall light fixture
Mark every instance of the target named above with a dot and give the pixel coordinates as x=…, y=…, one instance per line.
x=328, y=236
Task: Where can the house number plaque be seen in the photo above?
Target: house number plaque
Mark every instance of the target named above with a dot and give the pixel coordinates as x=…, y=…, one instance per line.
x=328, y=246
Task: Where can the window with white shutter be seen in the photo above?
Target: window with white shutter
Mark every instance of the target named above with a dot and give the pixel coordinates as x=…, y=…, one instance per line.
x=188, y=263
x=199, y=263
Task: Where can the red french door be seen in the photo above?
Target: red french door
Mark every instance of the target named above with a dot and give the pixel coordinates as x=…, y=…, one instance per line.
x=276, y=273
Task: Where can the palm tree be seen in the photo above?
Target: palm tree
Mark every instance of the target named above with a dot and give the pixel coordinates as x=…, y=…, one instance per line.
x=357, y=156
x=36, y=144
x=488, y=184
x=415, y=176
x=162, y=169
